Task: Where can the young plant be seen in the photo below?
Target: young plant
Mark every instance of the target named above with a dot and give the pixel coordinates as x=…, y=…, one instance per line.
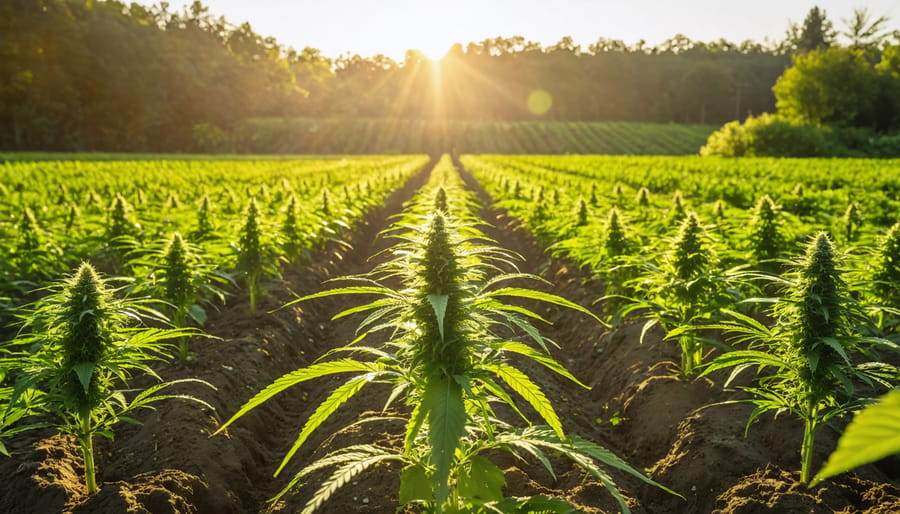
x=180, y=274
x=685, y=290
x=291, y=235
x=76, y=361
x=254, y=260
x=852, y=220
x=765, y=238
x=812, y=355
x=445, y=360
x=886, y=276
x=205, y=226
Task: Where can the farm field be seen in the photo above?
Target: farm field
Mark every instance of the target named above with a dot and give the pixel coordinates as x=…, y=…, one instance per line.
x=663, y=254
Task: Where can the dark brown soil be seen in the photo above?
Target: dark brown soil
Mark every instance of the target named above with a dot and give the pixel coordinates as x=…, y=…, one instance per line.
x=635, y=407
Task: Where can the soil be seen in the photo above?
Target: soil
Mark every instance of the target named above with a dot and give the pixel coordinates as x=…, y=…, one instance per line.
x=634, y=407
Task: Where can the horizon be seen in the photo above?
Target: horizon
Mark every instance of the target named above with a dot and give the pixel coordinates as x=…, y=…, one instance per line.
x=393, y=27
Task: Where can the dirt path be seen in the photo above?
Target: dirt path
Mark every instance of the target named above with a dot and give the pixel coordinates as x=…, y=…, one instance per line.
x=634, y=407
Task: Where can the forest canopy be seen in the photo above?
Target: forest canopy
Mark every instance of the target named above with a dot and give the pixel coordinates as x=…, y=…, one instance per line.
x=106, y=75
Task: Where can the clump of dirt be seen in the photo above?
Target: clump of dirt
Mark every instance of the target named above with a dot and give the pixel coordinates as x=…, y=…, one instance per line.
x=772, y=489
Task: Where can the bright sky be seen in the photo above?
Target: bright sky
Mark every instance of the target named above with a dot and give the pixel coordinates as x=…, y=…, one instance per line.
x=391, y=27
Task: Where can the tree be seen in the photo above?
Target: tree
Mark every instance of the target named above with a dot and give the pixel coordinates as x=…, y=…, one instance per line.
x=817, y=32
x=863, y=32
x=832, y=86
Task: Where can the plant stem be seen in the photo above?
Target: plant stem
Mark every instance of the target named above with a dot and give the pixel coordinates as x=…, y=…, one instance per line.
x=87, y=451
x=810, y=425
x=691, y=355
x=252, y=285
x=182, y=341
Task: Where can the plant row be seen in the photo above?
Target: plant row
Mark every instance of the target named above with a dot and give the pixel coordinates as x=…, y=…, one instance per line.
x=439, y=329
x=676, y=247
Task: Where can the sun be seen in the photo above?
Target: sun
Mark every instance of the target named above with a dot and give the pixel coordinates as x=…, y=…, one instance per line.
x=432, y=51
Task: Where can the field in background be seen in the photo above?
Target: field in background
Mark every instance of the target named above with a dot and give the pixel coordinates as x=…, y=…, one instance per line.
x=368, y=136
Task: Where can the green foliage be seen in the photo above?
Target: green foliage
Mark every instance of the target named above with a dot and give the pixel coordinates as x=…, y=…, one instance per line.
x=121, y=222
x=180, y=274
x=768, y=135
x=205, y=225
x=254, y=254
x=873, y=434
x=886, y=276
x=444, y=359
x=837, y=86
x=812, y=354
x=852, y=220
x=75, y=357
x=766, y=239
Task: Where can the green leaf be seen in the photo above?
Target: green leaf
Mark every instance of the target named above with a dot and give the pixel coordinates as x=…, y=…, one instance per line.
x=872, y=435
x=544, y=297
x=295, y=377
x=414, y=485
x=439, y=304
x=520, y=383
x=742, y=357
x=416, y=419
x=344, y=290
x=540, y=504
x=545, y=360
x=341, y=477
x=325, y=409
x=197, y=313
x=446, y=426
x=482, y=480
x=84, y=370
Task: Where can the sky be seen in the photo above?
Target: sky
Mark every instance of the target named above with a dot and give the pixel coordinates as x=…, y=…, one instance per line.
x=391, y=27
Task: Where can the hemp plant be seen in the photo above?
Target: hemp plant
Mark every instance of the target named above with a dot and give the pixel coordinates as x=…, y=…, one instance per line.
x=766, y=239
x=445, y=359
x=886, y=275
x=808, y=361
x=76, y=355
x=180, y=274
x=254, y=254
x=684, y=290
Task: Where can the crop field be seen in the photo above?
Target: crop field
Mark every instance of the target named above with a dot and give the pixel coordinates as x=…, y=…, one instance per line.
x=465, y=333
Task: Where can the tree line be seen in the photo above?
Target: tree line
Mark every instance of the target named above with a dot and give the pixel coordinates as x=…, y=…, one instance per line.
x=105, y=75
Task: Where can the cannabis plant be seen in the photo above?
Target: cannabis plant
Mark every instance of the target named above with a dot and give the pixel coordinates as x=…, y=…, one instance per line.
x=684, y=290
x=886, y=276
x=808, y=361
x=182, y=275
x=445, y=359
x=765, y=238
x=78, y=351
x=852, y=220
x=254, y=254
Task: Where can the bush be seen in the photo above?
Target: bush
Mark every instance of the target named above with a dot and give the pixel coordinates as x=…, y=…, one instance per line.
x=769, y=136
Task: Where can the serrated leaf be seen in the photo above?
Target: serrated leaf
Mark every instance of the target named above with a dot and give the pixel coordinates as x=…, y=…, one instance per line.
x=482, y=480
x=531, y=392
x=439, y=304
x=520, y=292
x=545, y=360
x=414, y=485
x=295, y=377
x=84, y=370
x=446, y=426
x=872, y=435
x=325, y=409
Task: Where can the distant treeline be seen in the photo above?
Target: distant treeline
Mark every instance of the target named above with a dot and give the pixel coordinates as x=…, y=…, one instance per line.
x=92, y=75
